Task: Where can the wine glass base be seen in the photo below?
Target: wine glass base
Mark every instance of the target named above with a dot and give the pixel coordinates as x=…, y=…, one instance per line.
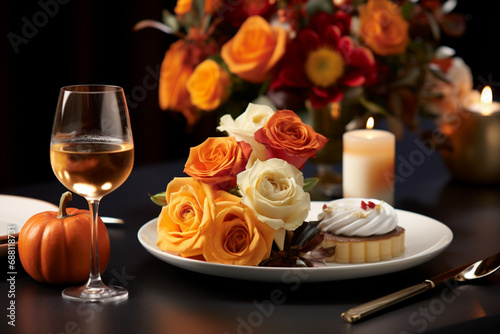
x=100, y=294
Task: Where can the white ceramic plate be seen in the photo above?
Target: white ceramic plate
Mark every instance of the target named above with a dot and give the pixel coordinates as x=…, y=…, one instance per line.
x=424, y=239
x=16, y=210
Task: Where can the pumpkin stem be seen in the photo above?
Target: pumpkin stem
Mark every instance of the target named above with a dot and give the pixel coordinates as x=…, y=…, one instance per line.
x=67, y=196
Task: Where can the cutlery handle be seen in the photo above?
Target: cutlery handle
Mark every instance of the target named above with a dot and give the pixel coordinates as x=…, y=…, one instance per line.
x=356, y=313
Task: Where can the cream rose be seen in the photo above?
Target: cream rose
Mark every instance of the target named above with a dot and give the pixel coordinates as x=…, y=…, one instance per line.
x=274, y=190
x=447, y=97
x=244, y=127
x=460, y=74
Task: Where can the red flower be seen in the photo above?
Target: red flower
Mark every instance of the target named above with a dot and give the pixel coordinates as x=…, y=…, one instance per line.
x=236, y=12
x=324, y=60
x=322, y=20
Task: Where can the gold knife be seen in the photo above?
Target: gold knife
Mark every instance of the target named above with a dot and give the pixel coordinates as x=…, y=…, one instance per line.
x=356, y=313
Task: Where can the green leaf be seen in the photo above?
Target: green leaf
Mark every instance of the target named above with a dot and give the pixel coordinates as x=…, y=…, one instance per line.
x=153, y=24
x=159, y=199
x=407, y=10
x=309, y=183
x=434, y=25
x=315, y=6
x=234, y=191
x=409, y=79
x=374, y=107
x=438, y=74
x=200, y=6
x=170, y=20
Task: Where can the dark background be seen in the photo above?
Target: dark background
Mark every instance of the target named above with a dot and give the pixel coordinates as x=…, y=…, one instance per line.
x=91, y=41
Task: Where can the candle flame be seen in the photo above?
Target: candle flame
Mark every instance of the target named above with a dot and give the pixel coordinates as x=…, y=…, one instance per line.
x=486, y=95
x=335, y=111
x=370, y=123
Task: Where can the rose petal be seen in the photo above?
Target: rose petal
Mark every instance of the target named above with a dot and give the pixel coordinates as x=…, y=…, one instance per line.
x=332, y=35
x=345, y=46
x=353, y=79
x=309, y=39
x=361, y=57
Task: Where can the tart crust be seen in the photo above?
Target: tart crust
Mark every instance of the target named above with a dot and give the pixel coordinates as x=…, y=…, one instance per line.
x=365, y=249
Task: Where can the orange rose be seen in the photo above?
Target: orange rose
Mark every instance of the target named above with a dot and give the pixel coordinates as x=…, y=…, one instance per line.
x=188, y=211
x=217, y=161
x=286, y=137
x=237, y=236
x=184, y=6
x=174, y=74
x=383, y=29
x=252, y=53
x=208, y=85
x=177, y=66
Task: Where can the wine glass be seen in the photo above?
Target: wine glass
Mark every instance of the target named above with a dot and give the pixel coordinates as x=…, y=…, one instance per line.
x=92, y=154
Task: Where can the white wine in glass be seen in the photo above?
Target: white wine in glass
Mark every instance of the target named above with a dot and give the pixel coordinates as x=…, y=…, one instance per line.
x=92, y=154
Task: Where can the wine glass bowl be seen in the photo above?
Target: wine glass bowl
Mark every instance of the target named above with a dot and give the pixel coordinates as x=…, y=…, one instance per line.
x=92, y=170
x=92, y=154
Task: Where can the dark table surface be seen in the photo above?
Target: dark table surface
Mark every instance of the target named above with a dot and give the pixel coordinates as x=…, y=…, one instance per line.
x=167, y=299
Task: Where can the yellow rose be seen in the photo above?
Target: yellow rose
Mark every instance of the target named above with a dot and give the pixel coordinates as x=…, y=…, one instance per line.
x=236, y=235
x=383, y=29
x=188, y=211
x=257, y=46
x=208, y=85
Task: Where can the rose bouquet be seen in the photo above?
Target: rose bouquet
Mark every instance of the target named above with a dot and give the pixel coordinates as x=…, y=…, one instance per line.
x=298, y=53
x=245, y=192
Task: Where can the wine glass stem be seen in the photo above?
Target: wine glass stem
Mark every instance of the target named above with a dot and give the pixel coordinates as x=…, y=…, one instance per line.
x=95, y=275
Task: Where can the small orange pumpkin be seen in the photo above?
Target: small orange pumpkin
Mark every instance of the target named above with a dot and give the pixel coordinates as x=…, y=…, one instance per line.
x=54, y=247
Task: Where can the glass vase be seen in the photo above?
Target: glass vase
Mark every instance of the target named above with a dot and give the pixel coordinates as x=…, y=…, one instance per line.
x=330, y=121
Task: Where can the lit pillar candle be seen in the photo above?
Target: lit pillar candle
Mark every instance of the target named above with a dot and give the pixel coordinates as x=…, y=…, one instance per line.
x=487, y=106
x=368, y=164
x=474, y=136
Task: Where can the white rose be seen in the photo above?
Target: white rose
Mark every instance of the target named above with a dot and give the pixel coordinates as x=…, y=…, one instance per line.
x=355, y=26
x=452, y=94
x=245, y=126
x=461, y=77
x=273, y=189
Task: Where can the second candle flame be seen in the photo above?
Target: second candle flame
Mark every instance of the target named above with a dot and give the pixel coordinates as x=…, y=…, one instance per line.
x=370, y=123
x=486, y=95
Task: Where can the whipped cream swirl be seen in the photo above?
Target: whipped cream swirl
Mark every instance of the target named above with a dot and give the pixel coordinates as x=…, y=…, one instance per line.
x=348, y=217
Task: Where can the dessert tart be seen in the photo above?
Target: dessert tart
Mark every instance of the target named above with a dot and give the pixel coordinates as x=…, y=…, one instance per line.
x=362, y=230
